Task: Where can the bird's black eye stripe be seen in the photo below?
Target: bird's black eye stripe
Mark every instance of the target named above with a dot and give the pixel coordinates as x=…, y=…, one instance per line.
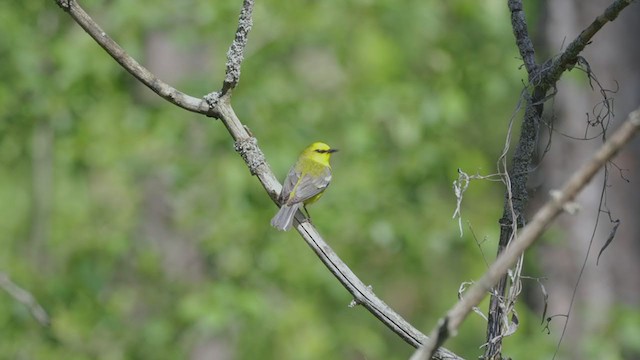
x=321, y=151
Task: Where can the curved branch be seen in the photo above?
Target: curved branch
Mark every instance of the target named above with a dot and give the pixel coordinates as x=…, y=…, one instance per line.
x=363, y=295
x=218, y=105
x=560, y=200
x=138, y=71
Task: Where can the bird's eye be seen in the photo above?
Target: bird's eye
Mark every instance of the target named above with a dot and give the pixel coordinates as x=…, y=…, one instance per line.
x=321, y=151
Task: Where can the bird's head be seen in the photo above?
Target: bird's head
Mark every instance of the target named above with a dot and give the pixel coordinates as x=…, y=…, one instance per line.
x=319, y=152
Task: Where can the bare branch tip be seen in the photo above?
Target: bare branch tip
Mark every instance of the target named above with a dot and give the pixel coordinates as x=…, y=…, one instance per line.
x=235, y=54
x=64, y=4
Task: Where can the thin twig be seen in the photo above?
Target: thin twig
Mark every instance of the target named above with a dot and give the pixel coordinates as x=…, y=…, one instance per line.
x=217, y=104
x=448, y=326
x=569, y=57
x=235, y=55
x=25, y=298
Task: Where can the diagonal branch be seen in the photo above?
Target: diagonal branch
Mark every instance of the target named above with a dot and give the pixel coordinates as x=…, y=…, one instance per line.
x=542, y=79
x=217, y=104
x=569, y=57
x=130, y=64
x=24, y=297
x=363, y=295
x=560, y=200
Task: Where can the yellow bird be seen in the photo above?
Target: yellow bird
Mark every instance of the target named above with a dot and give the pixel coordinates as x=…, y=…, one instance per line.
x=305, y=183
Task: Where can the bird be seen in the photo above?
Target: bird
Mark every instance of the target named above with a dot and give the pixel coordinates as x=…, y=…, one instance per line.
x=305, y=183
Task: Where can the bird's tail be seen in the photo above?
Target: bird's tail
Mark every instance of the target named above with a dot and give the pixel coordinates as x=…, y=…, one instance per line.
x=284, y=218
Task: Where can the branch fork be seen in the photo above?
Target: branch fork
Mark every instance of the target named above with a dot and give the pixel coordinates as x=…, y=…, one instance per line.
x=218, y=105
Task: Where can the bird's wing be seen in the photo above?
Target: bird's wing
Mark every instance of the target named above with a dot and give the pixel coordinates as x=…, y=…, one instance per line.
x=289, y=183
x=305, y=186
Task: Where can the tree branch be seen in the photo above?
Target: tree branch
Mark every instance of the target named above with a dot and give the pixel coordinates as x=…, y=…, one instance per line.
x=569, y=57
x=131, y=65
x=560, y=200
x=363, y=295
x=521, y=33
x=218, y=105
x=235, y=55
x=25, y=298
x=542, y=79
x=516, y=194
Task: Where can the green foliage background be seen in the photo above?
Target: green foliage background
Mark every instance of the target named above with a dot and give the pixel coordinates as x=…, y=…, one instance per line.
x=142, y=233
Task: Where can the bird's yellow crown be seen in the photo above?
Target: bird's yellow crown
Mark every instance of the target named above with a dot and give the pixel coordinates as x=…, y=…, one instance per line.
x=318, y=152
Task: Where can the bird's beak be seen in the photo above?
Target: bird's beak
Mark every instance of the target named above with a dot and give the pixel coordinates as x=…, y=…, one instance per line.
x=332, y=150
